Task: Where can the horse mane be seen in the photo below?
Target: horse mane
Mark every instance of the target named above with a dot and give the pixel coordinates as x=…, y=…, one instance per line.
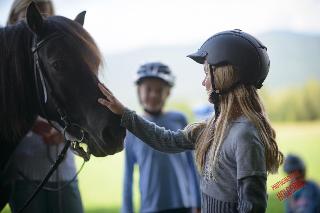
x=15, y=87
x=15, y=72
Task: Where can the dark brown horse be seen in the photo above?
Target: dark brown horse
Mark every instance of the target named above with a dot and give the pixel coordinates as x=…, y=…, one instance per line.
x=69, y=60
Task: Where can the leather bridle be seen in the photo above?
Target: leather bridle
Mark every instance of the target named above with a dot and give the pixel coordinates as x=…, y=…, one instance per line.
x=46, y=87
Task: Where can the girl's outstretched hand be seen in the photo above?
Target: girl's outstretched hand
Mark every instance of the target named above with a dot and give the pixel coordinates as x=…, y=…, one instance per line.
x=110, y=101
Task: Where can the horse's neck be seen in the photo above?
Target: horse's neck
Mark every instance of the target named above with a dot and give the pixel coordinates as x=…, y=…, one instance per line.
x=17, y=108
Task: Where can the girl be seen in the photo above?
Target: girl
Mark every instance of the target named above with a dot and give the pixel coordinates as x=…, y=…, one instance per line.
x=234, y=149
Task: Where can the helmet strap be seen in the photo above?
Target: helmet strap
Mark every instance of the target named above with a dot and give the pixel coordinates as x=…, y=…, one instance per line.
x=214, y=95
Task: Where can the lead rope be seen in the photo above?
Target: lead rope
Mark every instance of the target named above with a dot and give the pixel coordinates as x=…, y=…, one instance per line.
x=52, y=169
x=58, y=184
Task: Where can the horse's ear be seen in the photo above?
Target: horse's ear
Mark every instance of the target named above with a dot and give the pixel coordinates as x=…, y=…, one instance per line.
x=80, y=17
x=34, y=18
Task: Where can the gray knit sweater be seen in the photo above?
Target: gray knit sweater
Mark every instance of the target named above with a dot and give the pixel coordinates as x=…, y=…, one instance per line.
x=240, y=184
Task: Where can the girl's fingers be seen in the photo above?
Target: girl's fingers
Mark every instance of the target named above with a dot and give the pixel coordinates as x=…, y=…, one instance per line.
x=101, y=84
x=103, y=102
x=108, y=94
x=104, y=91
x=105, y=88
x=109, y=101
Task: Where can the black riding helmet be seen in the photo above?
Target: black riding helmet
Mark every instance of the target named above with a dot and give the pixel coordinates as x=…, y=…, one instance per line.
x=239, y=49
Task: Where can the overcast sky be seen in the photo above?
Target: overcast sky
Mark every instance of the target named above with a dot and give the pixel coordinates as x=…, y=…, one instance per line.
x=119, y=26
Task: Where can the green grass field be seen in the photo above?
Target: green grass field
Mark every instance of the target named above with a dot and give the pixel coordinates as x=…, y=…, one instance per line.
x=101, y=179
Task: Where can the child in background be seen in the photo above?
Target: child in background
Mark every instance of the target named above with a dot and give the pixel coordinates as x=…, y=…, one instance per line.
x=306, y=199
x=168, y=183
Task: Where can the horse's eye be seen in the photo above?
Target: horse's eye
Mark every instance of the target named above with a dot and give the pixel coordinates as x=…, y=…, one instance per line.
x=57, y=65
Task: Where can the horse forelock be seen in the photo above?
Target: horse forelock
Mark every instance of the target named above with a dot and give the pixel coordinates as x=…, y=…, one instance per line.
x=86, y=45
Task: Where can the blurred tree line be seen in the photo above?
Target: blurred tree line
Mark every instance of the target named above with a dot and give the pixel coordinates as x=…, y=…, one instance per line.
x=294, y=104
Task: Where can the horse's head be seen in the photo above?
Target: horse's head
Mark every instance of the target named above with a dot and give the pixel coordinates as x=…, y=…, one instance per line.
x=68, y=62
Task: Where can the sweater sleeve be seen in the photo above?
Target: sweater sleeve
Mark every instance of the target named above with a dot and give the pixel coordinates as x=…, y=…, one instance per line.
x=158, y=137
x=251, y=171
x=252, y=194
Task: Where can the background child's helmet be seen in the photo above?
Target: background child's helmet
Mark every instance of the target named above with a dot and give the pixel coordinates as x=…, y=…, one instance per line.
x=155, y=70
x=247, y=54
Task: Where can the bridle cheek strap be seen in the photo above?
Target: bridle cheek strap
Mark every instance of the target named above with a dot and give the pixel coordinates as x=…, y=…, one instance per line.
x=74, y=143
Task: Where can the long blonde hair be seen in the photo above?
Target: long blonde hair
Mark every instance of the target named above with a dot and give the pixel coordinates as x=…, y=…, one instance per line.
x=243, y=100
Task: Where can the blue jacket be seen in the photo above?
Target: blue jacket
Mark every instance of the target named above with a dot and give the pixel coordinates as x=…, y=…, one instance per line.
x=306, y=199
x=167, y=181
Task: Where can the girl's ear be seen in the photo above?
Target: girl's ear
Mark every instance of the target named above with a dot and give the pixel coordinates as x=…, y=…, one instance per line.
x=34, y=18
